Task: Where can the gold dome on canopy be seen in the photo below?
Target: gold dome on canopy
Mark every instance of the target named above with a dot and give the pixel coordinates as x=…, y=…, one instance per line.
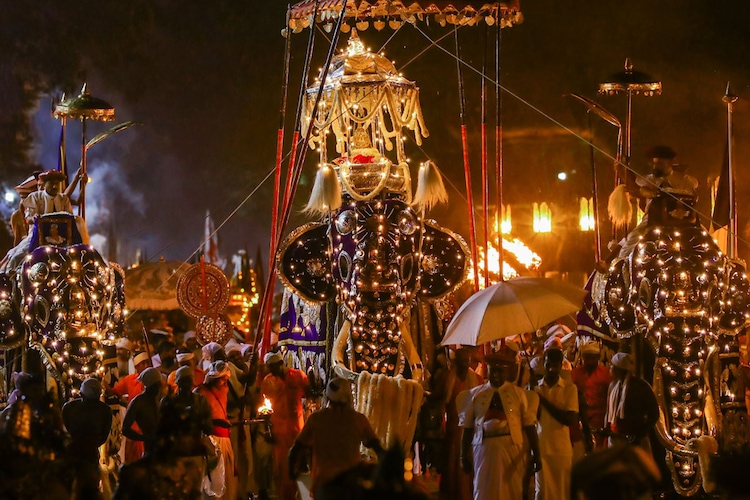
x=356, y=64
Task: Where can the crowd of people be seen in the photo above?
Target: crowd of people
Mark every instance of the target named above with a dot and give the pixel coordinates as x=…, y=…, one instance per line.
x=188, y=421
x=538, y=415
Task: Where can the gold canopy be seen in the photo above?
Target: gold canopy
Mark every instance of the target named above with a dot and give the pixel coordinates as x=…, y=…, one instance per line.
x=85, y=106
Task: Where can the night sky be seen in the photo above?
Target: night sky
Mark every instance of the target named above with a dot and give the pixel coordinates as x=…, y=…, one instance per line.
x=204, y=79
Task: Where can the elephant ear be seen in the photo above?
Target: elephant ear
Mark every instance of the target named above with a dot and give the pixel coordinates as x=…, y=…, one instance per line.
x=304, y=263
x=445, y=261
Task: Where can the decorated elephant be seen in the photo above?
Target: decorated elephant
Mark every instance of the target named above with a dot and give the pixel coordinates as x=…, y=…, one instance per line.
x=673, y=287
x=70, y=299
x=373, y=252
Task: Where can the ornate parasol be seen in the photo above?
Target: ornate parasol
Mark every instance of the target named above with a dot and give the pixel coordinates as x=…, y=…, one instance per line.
x=365, y=106
x=395, y=12
x=84, y=107
x=629, y=82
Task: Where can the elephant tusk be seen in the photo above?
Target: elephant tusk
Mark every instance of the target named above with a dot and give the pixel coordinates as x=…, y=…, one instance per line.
x=339, y=352
x=410, y=351
x=668, y=442
x=661, y=427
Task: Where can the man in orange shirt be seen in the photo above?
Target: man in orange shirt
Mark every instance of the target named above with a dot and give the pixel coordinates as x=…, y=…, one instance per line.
x=285, y=388
x=593, y=380
x=334, y=435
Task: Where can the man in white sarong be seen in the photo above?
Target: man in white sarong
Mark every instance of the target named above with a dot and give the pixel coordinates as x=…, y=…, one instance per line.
x=558, y=400
x=496, y=417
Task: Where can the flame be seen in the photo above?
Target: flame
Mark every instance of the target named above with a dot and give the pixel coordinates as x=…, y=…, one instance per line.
x=523, y=254
x=266, y=409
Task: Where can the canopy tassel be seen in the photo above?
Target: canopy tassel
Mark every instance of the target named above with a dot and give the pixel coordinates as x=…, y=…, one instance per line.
x=430, y=187
x=326, y=192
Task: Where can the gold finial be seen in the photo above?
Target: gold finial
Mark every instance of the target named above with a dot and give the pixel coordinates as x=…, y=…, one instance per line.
x=355, y=45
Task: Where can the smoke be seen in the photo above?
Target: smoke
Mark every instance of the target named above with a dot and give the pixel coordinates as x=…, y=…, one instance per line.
x=111, y=194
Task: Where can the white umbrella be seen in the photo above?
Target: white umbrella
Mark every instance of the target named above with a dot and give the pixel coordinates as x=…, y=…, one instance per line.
x=510, y=308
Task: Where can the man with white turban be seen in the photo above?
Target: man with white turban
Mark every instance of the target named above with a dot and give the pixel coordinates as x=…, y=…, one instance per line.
x=593, y=380
x=215, y=389
x=632, y=409
x=558, y=402
x=285, y=388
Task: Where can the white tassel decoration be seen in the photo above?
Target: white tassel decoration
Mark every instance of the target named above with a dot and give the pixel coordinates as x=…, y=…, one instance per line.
x=430, y=187
x=619, y=208
x=326, y=193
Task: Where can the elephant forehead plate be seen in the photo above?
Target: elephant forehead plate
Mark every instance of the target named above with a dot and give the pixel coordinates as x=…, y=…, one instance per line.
x=202, y=289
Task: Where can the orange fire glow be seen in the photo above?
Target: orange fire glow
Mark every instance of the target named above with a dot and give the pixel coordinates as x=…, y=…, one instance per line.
x=523, y=254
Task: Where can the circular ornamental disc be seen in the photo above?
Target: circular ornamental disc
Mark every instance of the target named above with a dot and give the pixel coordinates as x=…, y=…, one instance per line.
x=203, y=290
x=215, y=328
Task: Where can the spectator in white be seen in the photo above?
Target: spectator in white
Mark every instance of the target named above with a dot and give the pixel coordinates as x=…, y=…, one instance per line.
x=496, y=416
x=247, y=353
x=208, y=354
x=558, y=401
x=186, y=359
x=158, y=337
x=632, y=409
x=167, y=357
x=234, y=354
x=236, y=403
x=191, y=342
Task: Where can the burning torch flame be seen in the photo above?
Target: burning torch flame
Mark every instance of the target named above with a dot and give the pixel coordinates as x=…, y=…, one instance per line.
x=266, y=409
x=523, y=254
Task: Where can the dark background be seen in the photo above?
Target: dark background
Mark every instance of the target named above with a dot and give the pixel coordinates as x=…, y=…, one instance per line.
x=205, y=79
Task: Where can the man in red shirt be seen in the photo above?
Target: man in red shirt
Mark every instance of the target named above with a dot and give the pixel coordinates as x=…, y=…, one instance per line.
x=593, y=380
x=128, y=388
x=216, y=390
x=285, y=388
